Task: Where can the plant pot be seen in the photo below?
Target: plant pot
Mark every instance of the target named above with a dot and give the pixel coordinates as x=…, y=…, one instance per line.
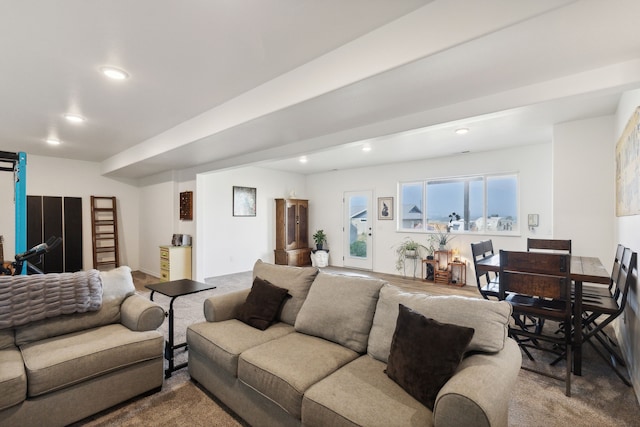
x=429, y=256
x=319, y=246
x=410, y=253
x=443, y=247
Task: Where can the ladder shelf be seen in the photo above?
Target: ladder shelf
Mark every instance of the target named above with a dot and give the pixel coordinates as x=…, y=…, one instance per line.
x=104, y=232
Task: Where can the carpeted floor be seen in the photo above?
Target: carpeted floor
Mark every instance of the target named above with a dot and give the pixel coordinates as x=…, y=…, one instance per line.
x=599, y=398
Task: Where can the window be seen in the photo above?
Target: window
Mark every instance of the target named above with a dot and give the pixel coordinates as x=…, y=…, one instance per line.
x=483, y=204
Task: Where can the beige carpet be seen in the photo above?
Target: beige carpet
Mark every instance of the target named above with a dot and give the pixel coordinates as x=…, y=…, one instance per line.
x=599, y=397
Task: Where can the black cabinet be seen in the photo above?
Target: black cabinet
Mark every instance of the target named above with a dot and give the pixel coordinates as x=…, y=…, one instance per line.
x=61, y=217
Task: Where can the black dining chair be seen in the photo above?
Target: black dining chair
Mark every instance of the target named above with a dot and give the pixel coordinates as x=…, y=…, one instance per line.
x=593, y=290
x=488, y=283
x=556, y=245
x=602, y=310
x=539, y=285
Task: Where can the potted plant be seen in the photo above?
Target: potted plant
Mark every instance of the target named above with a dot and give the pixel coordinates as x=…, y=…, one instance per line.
x=432, y=240
x=320, y=238
x=443, y=237
x=408, y=248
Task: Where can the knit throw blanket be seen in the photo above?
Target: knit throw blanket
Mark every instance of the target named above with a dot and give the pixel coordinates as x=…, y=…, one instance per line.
x=25, y=299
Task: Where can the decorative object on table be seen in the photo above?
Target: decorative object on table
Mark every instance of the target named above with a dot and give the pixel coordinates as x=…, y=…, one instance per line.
x=385, y=208
x=320, y=238
x=186, y=205
x=453, y=217
x=627, y=197
x=244, y=201
x=443, y=237
x=408, y=249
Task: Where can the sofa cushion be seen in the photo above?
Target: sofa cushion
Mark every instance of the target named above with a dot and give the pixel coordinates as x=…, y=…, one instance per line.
x=13, y=380
x=7, y=338
x=283, y=369
x=340, y=308
x=222, y=342
x=59, y=362
x=262, y=304
x=117, y=284
x=296, y=280
x=361, y=394
x=488, y=318
x=425, y=354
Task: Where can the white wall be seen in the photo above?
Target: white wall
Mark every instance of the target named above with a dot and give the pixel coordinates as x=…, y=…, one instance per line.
x=50, y=176
x=158, y=215
x=325, y=190
x=583, y=177
x=228, y=244
x=627, y=232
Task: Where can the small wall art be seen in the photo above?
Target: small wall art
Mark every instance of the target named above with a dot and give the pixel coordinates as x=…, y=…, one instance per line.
x=186, y=205
x=385, y=208
x=244, y=201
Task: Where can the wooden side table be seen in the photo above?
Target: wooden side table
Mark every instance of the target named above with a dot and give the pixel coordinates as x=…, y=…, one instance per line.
x=460, y=268
x=442, y=271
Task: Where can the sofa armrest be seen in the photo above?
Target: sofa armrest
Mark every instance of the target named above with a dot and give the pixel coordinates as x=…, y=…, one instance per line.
x=480, y=391
x=140, y=314
x=225, y=306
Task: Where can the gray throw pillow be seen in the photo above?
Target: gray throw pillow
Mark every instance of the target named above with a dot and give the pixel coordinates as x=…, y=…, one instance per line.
x=340, y=308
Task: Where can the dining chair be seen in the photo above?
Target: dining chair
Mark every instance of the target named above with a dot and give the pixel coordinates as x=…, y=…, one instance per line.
x=539, y=284
x=488, y=286
x=592, y=290
x=560, y=245
x=601, y=311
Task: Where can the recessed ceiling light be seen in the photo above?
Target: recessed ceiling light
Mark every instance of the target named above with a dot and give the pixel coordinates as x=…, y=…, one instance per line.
x=74, y=118
x=462, y=131
x=53, y=141
x=114, y=73
x=303, y=159
x=366, y=148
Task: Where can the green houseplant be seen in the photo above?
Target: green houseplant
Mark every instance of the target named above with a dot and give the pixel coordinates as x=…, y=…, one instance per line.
x=443, y=237
x=320, y=238
x=408, y=248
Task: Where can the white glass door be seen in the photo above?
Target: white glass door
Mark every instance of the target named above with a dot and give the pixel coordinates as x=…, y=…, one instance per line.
x=358, y=235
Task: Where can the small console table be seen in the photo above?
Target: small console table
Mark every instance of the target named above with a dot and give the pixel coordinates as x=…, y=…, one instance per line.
x=173, y=290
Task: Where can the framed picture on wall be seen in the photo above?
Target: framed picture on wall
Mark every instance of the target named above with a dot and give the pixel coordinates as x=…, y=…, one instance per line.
x=385, y=208
x=244, y=201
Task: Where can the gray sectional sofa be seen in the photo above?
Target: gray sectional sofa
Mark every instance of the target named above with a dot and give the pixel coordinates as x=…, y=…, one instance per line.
x=323, y=362
x=63, y=368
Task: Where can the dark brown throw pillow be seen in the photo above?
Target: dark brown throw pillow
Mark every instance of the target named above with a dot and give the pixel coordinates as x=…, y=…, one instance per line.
x=262, y=304
x=425, y=354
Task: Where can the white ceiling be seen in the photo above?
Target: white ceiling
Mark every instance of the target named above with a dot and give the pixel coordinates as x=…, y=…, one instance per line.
x=218, y=83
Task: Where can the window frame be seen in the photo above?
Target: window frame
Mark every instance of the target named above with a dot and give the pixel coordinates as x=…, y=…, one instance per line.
x=485, y=200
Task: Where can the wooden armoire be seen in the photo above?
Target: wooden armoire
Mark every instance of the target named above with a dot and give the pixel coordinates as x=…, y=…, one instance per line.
x=292, y=232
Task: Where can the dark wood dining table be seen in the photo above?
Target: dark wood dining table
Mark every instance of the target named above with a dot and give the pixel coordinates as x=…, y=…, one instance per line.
x=583, y=269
